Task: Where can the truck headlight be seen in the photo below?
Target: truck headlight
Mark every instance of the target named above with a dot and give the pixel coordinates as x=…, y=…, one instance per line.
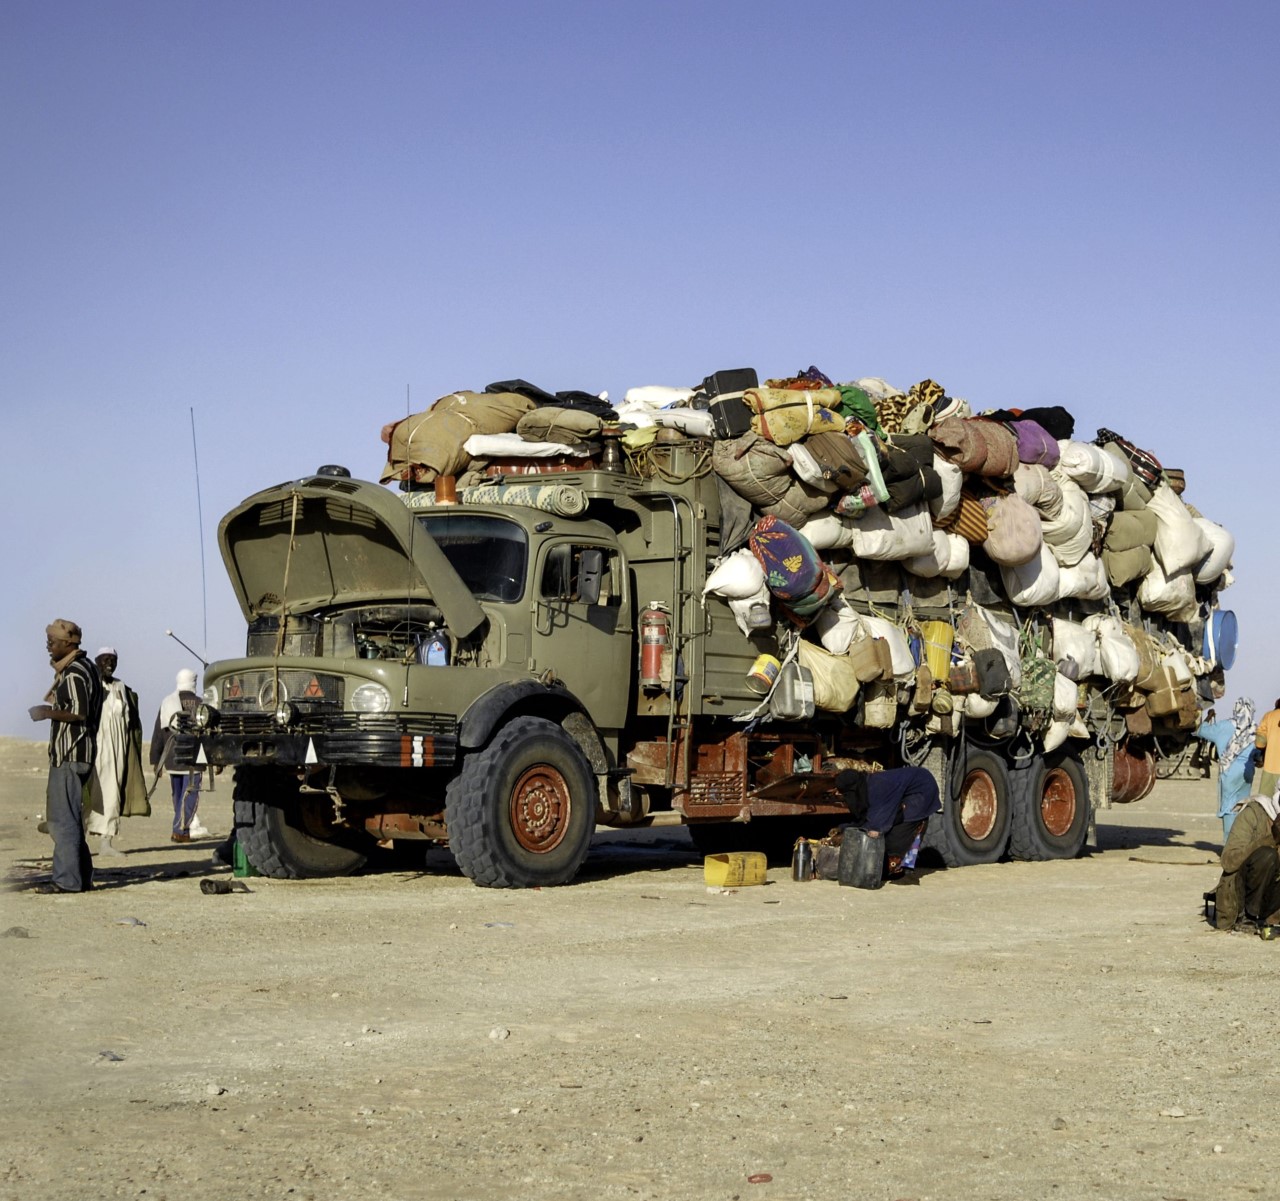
x=205, y=717
x=371, y=698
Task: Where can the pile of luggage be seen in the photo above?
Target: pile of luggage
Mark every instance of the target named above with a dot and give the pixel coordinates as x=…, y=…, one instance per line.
x=904, y=548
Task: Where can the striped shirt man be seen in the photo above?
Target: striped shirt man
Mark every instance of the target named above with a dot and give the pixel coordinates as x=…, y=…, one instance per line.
x=76, y=689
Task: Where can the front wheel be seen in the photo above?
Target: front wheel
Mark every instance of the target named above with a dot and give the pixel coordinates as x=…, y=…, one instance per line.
x=973, y=826
x=1051, y=809
x=287, y=834
x=521, y=812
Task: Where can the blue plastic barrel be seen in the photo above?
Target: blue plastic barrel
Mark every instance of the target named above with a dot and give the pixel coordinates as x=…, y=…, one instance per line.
x=1221, y=634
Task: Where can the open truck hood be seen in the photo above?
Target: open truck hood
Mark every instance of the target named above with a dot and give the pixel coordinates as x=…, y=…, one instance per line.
x=353, y=542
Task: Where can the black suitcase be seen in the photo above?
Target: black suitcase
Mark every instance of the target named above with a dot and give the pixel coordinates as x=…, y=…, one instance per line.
x=729, y=383
x=861, y=859
x=721, y=394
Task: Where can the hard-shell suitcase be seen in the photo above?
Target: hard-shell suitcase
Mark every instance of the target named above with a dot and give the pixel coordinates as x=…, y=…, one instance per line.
x=861, y=859
x=730, y=416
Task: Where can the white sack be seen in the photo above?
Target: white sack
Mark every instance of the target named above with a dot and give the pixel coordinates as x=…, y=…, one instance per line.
x=1222, y=545
x=1086, y=580
x=1117, y=655
x=899, y=651
x=1173, y=595
x=739, y=575
x=656, y=396
x=697, y=423
x=1094, y=469
x=982, y=630
x=941, y=507
x=1077, y=642
x=883, y=535
x=512, y=446
x=1180, y=543
x=836, y=625
x=1034, y=583
x=1070, y=534
x=806, y=467
x=949, y=558
x=1036, y=485
x=829, y=531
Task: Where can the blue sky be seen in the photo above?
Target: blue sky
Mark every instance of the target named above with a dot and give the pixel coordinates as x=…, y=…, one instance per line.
x=286, y=216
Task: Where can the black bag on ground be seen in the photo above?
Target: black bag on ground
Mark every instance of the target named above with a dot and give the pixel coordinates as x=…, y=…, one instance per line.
x=861, y=859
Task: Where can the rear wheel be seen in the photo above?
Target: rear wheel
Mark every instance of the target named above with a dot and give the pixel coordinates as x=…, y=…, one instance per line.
x=287, y=834
x=521, y=812
x=1051, y=809
x=973, y=826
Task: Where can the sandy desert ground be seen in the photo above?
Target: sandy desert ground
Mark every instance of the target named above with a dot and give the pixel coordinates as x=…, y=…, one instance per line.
x=1062, y=1030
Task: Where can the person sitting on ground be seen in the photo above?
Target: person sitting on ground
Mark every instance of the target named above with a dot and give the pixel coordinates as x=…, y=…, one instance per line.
x=1234, y=743
x=1249, y=891
x=894, y=804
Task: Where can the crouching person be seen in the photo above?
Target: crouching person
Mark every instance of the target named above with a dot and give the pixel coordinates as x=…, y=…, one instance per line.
x=1249, y=891
x=894, y=804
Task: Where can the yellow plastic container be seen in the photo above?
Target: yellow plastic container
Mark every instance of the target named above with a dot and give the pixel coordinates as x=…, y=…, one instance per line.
x=734, y=869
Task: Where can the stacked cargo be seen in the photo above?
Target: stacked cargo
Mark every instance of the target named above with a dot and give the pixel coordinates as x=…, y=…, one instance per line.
x=909, y=554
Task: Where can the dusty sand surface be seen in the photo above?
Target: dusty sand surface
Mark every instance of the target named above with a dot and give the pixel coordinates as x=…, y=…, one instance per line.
x=1016, y=1031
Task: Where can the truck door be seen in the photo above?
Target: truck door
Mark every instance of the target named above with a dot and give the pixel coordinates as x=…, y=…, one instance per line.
x=582, y=625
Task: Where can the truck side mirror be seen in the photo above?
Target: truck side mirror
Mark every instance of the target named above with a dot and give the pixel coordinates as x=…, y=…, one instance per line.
x=590, y=571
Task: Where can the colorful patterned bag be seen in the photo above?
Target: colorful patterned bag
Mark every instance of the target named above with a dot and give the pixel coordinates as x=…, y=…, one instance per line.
x=793, y=570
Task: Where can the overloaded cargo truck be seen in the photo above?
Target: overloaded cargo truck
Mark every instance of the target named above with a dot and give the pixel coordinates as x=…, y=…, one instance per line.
x=505, y=672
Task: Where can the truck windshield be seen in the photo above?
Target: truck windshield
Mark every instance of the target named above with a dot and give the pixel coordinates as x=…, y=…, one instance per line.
x=489, y=553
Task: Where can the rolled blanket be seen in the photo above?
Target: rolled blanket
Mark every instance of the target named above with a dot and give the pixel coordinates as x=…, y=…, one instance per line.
x=552, y=424
x=562, y=500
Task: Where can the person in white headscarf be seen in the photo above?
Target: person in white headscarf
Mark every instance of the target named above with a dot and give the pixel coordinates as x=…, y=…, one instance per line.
x=185, y=785
x=1248, y=893
x=1234, y=742
x=117, y=786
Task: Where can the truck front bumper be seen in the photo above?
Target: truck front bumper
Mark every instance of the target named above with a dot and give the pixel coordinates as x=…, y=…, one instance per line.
x=424, y=740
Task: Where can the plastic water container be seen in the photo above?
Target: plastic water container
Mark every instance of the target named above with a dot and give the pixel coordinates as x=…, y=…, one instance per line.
x=734, y=869
x=433, y=651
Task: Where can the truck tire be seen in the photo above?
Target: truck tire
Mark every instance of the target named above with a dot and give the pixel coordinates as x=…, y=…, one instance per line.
x=521, y=812
x=977, y=812
x=1051, y=808
x=282, y=834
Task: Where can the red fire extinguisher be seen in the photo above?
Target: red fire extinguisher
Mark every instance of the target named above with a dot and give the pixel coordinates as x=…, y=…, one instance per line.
x=655, y=637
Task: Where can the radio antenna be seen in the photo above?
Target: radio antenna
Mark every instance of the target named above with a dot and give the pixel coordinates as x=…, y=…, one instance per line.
x=204, y=591
x=203, y=661
x=408, y=594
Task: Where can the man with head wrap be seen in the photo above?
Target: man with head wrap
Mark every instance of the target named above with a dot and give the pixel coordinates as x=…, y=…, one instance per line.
x=185, y=785
x=71, y=707
x=1234, y=742
x=1249, y=891
x=117, y=786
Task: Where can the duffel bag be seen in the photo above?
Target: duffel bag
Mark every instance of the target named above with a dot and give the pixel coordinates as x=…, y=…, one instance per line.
x=839, y=459
x=792, y=568
x=1143, y=463
x=1013, y=531
x=835, y=685
x=1035, y=443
